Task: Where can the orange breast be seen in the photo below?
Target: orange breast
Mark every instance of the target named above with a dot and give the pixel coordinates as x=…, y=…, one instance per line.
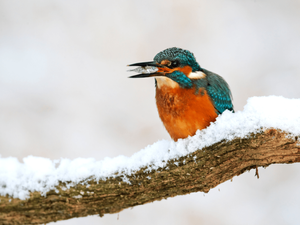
x=183, y=112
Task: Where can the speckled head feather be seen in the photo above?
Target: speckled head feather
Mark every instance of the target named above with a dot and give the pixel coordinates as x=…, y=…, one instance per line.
x=184, y=57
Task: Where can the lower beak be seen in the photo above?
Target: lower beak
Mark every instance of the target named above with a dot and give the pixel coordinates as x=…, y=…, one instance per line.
x=144, y=75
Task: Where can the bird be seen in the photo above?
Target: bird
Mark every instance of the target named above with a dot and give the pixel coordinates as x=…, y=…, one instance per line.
x=188, y=97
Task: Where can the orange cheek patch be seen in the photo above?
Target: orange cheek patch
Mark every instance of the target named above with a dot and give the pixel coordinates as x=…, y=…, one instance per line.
x=186, y=70
x=164, y=70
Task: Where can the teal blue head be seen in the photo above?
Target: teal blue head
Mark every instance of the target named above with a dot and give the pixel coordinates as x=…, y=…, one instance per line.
x=177, y=57
x=174, y=67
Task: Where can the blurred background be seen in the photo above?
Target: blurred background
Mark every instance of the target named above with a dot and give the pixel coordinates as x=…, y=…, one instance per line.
x=64, y=90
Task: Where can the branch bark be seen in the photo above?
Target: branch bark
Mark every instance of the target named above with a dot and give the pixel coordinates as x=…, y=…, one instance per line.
x=199, y=171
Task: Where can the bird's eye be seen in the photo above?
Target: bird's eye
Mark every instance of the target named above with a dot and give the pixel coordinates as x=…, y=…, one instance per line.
x=174, y=64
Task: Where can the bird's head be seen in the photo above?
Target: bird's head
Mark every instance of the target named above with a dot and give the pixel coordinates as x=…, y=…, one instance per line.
x=174, y=67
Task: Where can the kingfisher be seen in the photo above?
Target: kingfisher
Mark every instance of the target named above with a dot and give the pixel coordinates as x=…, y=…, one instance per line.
x=188, y=97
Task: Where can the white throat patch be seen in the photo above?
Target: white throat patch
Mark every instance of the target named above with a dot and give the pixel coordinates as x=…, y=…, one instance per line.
x=165, y=81
x=197, y=75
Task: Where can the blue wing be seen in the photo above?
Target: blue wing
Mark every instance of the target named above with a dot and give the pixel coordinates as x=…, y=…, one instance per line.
x=219, y=91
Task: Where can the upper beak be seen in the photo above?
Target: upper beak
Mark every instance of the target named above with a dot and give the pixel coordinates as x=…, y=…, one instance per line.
x=146, y=72
x=152, y=63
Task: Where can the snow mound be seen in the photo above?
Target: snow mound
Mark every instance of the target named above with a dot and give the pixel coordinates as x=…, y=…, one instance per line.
x=41, y=174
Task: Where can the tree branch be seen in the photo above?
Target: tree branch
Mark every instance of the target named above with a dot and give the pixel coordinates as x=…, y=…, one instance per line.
x=199, y=171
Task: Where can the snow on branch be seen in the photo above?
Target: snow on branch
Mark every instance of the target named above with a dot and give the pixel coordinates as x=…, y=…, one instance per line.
x=40, y=190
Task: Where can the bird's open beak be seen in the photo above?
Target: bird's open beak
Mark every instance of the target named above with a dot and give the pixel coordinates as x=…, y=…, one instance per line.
x=147, y=69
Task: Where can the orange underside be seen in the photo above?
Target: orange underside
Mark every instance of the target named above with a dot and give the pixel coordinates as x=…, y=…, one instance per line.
x=183, y=112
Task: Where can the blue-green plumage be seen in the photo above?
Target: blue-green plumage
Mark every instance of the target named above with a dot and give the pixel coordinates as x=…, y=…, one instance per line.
x=218, y=89
x=181, y=79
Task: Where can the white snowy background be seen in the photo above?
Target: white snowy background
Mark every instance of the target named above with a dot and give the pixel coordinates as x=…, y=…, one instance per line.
x=64, y=90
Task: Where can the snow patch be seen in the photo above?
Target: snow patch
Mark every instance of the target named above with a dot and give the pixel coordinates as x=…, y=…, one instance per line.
x=41, y=174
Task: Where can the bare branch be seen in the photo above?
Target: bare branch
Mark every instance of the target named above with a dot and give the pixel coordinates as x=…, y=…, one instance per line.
x=199, y=171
